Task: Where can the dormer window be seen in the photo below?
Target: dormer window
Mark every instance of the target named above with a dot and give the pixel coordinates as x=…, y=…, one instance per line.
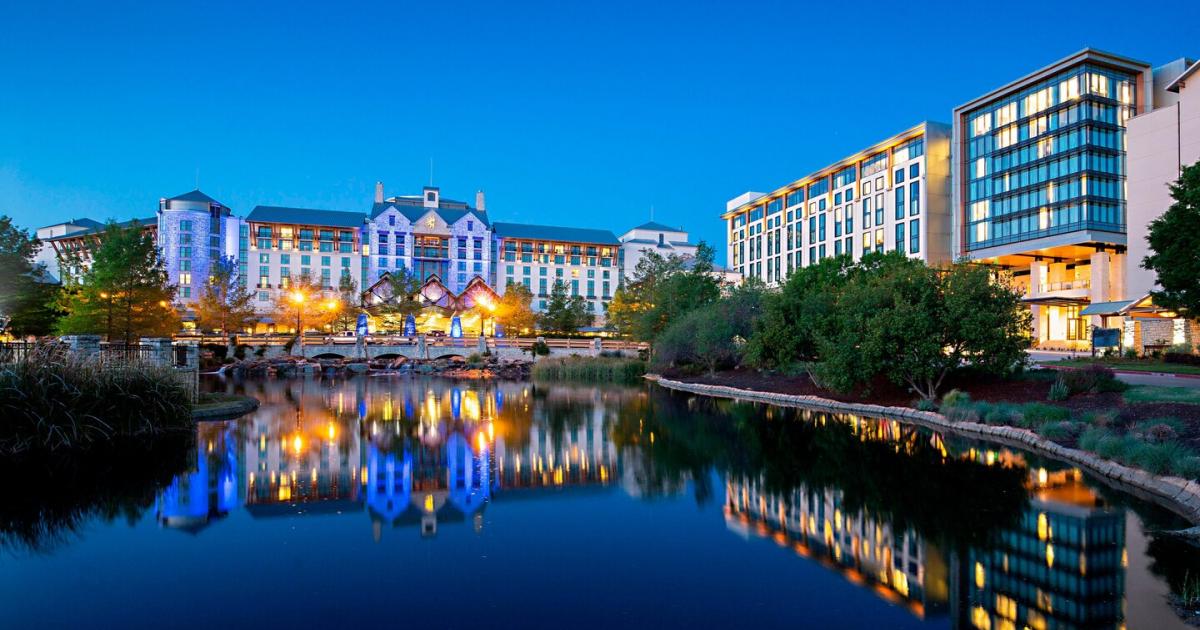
x=430, y=196
x=470, y=226
x=391, y=219
x=660, y=239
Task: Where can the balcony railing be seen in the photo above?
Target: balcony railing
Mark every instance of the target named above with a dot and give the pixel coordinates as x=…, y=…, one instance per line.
x=1069, y=285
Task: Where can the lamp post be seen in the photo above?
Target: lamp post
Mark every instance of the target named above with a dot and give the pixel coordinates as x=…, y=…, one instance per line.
x=297, y=297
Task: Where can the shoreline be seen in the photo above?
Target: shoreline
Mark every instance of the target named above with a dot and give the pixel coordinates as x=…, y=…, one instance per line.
x=1177, y=495
x=225, y=409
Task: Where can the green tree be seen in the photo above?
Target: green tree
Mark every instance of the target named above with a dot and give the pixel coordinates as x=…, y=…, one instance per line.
x=125, y=293
x=514, y=311
x=712, y=336
x=225, y=304
x=26, y=293
x=404, y=298
x=785, y=336
x=349, y=304
x=661, y=290
x=564, y=313
x=914, y=324
x=1174, y=240
x=302, y=302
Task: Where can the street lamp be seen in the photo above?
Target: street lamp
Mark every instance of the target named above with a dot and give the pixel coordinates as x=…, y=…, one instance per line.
x=297, y=298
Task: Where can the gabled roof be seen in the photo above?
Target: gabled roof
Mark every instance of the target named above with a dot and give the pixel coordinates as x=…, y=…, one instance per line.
x=195, y=195
x=414, y=212
x=657, y=226
x=97, y=228
x=306, y=216
x=554, y=233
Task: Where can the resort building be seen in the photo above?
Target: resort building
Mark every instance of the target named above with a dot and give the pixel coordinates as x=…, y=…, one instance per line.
x=656, y=237
x=71, y=244
x=1040, y=185
x=287, y=244
x=1161, y=143
x=893, y=195
x=587, y=261
x=428, y=235
x=194, y=231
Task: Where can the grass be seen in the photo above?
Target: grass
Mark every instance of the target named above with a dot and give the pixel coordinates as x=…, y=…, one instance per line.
x=1134, y=365
x=1151, y=393
x=601, y=369
x=50, y=400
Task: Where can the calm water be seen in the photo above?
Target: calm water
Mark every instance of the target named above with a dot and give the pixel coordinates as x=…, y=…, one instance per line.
x=397, y=501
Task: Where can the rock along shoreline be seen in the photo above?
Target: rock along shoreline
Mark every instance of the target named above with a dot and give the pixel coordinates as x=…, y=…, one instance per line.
x=1178, y=495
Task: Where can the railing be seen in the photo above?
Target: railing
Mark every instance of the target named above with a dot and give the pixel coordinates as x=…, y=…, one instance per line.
x=13, y=351
x=126, y=353
x=1064, y=286
x=440, y=341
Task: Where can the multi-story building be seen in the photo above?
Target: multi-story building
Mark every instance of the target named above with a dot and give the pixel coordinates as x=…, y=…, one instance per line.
x=429, y=235
x=587, y=261
x=194, y=231
x=894, y=195
x=286, y=244
x=1040, y=185
x=71, y=244
x=656, y=237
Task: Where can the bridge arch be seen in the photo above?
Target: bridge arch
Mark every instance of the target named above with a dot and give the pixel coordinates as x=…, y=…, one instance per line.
x=329, y=355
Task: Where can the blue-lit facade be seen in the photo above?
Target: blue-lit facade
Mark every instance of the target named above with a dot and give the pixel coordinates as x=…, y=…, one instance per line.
x=1039, y=186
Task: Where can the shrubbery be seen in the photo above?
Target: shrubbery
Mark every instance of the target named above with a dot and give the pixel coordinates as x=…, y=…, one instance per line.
x=711, y=337
x=615, y=370
x=53, y=400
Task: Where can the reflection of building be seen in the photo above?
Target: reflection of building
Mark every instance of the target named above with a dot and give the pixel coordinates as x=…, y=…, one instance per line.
x=1063, y=566
x=195, y=499
x=900, y=565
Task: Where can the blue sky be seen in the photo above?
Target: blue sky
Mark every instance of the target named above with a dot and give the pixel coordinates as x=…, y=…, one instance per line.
x=563, y=112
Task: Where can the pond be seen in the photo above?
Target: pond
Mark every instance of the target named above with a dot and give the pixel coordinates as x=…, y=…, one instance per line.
x=424, y=501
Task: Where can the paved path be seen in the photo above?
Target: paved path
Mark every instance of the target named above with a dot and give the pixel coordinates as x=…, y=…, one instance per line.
x=1133, y=378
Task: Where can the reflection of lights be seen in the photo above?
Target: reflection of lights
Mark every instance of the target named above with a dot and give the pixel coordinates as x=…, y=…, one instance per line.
x=1043, y=527
x=364, y=475
x=980, y=576
x=429, y=503
x=297, y=444
x=332, y=431
x=1042, y=476
x=1050, y=556
x=481, y=441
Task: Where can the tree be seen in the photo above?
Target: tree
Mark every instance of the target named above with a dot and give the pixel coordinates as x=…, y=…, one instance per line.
x=302, y=302
x=404, y=299
x=125, y=293
x=564, y=313
x=712, y=336
x=913, y=324
x=350, y=304
x=514, y=311
x=661, y=290
x=26, y=293
x=785, y=336
x=225, y=304
x=1174, y=240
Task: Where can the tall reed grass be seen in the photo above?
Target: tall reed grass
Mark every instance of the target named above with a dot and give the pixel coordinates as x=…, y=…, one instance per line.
x=600, y=369
x=53, y=400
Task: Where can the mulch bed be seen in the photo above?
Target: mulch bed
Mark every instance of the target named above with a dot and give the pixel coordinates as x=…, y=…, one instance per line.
x=884, y=392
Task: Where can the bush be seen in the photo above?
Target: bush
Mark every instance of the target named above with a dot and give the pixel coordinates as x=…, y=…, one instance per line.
x=1188, y=467
x=924, y=404
x=1090, y=439
x=1092, y=379
x=1160, y=459
x=474, y=357
x=602, y=369
x=539, y=349
x=52, y=400
x=1183, y=358
x=1059, y=390
x=955, y=398
x=1131, y=353
x=1160, y=433
x=1117, y=447
x=239, y=352
x=960, y=413
x=1037, y=414
x=1059, y=431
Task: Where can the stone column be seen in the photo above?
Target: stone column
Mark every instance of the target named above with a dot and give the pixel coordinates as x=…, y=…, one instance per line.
x=1037, y=277
x=162, y=350
x=83, y=345
x=422, y=347
x=1101, y=265
x=597, y=346
x=481, y=345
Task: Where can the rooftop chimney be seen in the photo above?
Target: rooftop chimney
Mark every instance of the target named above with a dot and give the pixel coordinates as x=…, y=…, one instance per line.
x=479, y=201
x=378, y=192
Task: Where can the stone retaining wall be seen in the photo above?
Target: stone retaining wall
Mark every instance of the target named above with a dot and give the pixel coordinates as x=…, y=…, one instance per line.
x=1178, y=495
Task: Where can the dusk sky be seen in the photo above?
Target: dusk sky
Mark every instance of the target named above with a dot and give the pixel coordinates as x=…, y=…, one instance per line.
x=564, y=113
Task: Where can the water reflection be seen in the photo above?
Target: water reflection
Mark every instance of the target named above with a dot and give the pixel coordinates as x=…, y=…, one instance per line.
x=944, y=532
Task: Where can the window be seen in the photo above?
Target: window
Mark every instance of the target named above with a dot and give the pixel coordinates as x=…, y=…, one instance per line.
x=914, y=170
x=879, y=209
x=391, y=219
x=899, y=202
x=914, y=198
x=899, y=176
x=900, y=237
x=185, y=278
x=914, y=236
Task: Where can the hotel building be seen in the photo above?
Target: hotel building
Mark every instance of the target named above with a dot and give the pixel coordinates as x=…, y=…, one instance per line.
x=70, y=245
x=894, y=195
x=1040, y=185
x=287, y=244
x=587, y=261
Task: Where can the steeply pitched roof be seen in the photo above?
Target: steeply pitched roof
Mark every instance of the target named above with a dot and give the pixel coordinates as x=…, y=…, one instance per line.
x=195, y=195
x=657, y=226
x=306, y=216
x=554, y=233
x=414, y=212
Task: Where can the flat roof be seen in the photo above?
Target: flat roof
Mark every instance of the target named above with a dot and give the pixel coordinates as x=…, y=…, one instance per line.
x=912, y=132
x=1083, y=56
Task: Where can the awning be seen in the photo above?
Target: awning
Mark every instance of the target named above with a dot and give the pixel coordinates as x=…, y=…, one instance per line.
x=1050, y=300
x=1105, y=308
